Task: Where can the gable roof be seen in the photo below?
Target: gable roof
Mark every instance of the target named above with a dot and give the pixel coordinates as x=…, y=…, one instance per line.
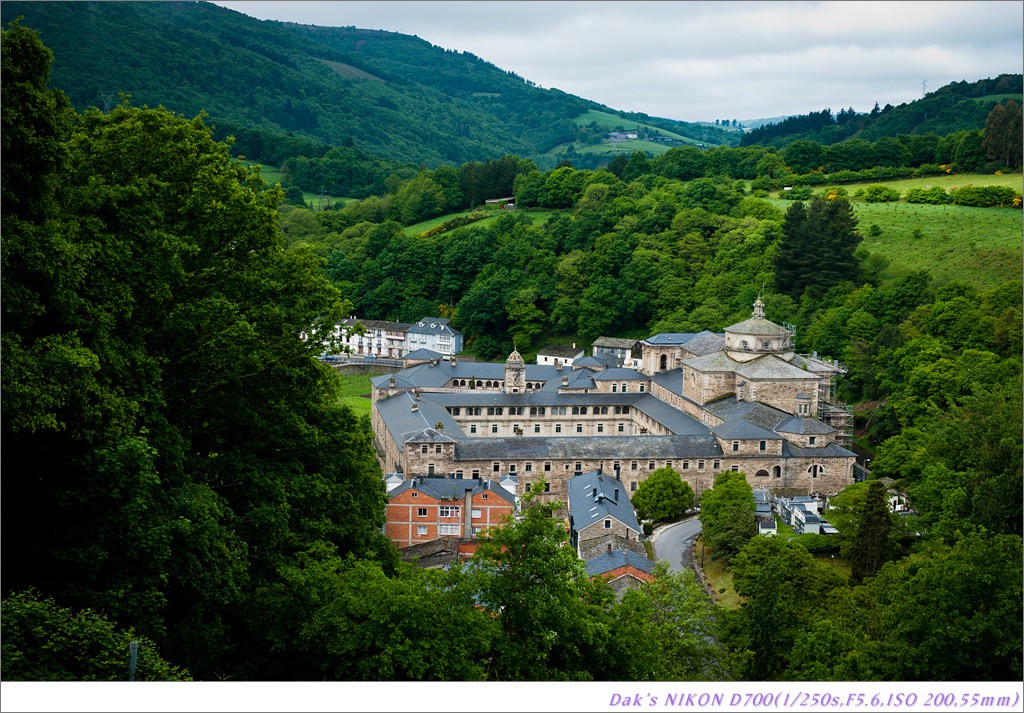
x=805, y=426
x=423, y=353
x=740, y=428
x=619, y=558
x=594, y=496
x=433, y=325
x=560, y=351
x=614, y=343
x=452, y=488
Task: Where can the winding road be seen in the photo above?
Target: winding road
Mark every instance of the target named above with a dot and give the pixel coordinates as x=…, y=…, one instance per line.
x=672, y=543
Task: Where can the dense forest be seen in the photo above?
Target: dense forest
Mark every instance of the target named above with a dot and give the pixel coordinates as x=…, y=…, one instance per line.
x=180, y=472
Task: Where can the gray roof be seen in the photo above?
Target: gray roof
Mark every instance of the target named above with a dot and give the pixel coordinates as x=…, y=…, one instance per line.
x=581, y=382
x=404, y=423
x=758, y=326
x=452, y=488
x=430, y=435
x=562, y=352
x=772, y=367
x=607, y=448
x=832, y=450
x=668, y=339
x=619, y=558
x=424, y=353
x=594, y=362
x=678, y=422
x=671, y=380
x=705, y=343
x=715, y=361
x=433, y=325
x=619, y=374
x=804, y=426
x=614, y=343
x=594, y=496
x=376, y=324
x=763, y=415
x=740, y=428
x=432, y=375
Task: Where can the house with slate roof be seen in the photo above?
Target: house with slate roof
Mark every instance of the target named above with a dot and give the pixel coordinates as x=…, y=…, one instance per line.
x=553, y=355
x=601, y=517
x=741, y=401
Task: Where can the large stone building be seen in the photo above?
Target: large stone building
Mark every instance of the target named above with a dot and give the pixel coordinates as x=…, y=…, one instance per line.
x=701, y=403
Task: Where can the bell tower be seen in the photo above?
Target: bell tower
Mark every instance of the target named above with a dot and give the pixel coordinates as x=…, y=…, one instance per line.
x=515, y=373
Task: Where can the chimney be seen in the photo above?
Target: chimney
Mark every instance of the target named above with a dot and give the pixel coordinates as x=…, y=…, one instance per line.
x=451, y=360
x=618, y=472
x=609, y=548
x=593, y=492
x=558, y=365
x=565, y=381
x=416, y=393
x=415, y=407
x=391, y=382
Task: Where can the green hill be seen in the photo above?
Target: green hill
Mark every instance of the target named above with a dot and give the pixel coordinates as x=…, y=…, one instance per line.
x=394, y=96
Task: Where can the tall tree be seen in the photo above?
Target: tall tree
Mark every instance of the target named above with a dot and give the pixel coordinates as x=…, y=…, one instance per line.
x=727, y=513
x=818, y=246
x=870, y=547
x=662, y=496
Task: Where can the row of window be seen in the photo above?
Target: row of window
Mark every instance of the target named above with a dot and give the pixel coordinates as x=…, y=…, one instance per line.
x=449, y=530
x=537, y=410
x=516, y=428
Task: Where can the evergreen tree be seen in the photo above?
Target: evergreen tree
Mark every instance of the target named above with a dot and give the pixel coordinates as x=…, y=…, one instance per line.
x=870, y=547
x=818, y=246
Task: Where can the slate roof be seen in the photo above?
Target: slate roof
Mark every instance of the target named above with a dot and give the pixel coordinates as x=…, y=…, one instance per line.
x=403, y=423
x=678, y=422
x=595, y=362
x=716, y=361
x=670, y=339
x=757, y=325
x=581, y=382
x=832, y=450
x=763, y=415
x=606, y=448
x=804, y=426
x=619, y=558
x=452, y=488
x=619, y=374
x=430, y=435
x=424, y=353
x=705, y=343
x=739, y=428
x=377, y=324
x=615, y=343
x=672, y=380
x=433, y=325
x=771, y=367
x=430, y=375
x=592, y=498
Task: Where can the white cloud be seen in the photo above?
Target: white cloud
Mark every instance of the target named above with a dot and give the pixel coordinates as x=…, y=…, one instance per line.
x=707, y=60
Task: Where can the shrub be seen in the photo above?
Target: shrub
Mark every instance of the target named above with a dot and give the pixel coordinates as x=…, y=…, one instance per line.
x=984, y=196
x=878, y=193
x=932, y=195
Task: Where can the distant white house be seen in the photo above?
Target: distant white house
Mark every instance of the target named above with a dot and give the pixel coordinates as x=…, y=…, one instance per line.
x=436, y=334
x=555, y=355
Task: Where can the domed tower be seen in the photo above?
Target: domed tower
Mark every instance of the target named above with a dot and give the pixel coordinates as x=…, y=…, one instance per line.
x=515, y=373
x=757, y=336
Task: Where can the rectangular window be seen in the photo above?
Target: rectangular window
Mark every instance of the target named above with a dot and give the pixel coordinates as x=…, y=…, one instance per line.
x=623, y=388
x=547, y=467
x=762, y=446
x=621, y=428
x=632, y=487
x=615, y=388
x=579, y=428
x=423, y=448
x=477, y=514
x=686, y=465
x=476, y=473
x=472, y=428
x=536, y=428
x=494, y=428
x=421, y=530
x=558, y=428
x=495, y=467
x=512, y=468
x=633, y=465
x=735, y=469
x=547, y=487
x=735, y=446
x=700, y=465
x=600, y=428
x=448, y=511
x=715, y=465
x=812, y=439
x=579, y=466
x=650, y=465
x=437, y=448
x=421, y=512
x=607, y=524
x=450, y=529
x=642, y=388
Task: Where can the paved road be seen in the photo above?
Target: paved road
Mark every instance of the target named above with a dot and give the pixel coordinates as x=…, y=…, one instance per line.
x=672, y=543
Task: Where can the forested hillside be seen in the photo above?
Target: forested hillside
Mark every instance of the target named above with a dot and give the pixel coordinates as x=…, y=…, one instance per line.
x=179, y=472
x=395, y=96
x=960, y=106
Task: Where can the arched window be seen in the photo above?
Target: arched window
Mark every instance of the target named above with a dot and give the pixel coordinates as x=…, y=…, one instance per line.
x=777, y=471
x=664, y=362
x=816, y=470
x=761, y=473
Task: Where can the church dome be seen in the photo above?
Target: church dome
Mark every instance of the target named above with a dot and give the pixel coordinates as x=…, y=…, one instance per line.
x=757, y=336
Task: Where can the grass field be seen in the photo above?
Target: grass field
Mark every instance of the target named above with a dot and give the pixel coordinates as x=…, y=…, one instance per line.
x=537, y=217
x=355, y=392
x=978, y=246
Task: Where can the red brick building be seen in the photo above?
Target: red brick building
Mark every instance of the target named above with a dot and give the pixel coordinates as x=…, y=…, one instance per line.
x=421, y=510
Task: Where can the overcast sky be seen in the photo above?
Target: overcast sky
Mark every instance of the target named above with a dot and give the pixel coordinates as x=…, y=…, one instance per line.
x=700, y=61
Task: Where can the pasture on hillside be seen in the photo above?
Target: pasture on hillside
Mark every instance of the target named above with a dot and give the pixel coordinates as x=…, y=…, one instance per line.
x=537, y=217
x=978, y=246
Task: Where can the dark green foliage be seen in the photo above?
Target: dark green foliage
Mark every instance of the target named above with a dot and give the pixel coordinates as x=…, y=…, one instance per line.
x=870, y=546
x=177, y=440
x=727, y=513
x=662, y=496
x=1003, y=131
x=43, y=641
x=818, y=246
